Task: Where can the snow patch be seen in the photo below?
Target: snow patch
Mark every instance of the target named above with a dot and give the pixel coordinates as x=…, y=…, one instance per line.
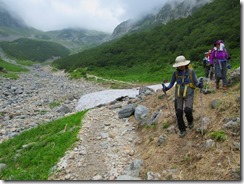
x=102, y=97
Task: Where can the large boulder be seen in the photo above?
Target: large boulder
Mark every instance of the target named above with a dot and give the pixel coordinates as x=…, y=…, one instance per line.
x=127, y=111
x=141, y=114
x=235, y=76
x=146, y=91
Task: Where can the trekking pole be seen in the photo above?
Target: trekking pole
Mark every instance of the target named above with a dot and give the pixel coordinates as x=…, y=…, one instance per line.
x=171, y=114
x=210, y=72
x=167, y=99
x=201, y=100
x=220, y=66
x=209, y=76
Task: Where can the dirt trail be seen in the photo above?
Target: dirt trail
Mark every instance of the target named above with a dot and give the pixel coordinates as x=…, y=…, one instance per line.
x=106, y=147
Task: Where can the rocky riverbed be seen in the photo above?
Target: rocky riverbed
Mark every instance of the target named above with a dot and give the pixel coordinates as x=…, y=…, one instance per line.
x=38, y=96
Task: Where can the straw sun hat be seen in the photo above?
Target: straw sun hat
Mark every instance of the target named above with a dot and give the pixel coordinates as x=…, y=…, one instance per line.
x=181, y=61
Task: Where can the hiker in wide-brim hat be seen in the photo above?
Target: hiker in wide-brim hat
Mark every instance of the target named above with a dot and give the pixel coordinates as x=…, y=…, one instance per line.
x=186, y=80
x=181, y=61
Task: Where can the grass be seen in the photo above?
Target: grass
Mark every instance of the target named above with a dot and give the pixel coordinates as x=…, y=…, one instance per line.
x=78, y=73
x=11, y=67
x=135, y=74
x=138, y=74
x=10, y=70
x=32, y=154
x=25, y=62
x=218, y=135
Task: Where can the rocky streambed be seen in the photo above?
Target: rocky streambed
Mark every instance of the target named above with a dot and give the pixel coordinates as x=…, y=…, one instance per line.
x=38, y=96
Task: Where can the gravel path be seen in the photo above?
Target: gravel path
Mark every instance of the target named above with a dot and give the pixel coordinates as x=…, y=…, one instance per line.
x=105, y=150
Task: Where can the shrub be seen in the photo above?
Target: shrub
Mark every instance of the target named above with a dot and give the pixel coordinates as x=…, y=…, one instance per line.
x=218, y=135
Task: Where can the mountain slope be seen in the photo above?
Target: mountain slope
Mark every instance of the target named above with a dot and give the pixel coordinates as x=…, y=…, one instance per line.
x=12, y=28
x=172, y=10
x=148, y=56
x=7, y=20
x=28, y=49
x=78, y=39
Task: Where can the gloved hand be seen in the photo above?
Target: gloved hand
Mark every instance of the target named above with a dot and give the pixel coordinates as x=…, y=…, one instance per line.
x=200, y=85
x=228, y=66
x=164, y=88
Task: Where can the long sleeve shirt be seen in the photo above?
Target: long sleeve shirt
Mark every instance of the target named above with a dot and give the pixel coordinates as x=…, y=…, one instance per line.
x=183, y=78
x=218, y=55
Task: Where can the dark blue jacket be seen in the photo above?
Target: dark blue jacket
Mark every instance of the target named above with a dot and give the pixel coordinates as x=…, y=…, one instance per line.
x=183, y=77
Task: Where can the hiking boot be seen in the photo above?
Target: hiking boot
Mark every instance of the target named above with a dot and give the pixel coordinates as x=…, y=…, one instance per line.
x=217, y=85
x=190, y=125
x=182, y=133
x=225, y=87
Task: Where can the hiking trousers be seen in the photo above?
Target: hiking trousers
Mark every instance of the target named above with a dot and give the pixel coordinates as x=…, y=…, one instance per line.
x=184, y=105
x=209, y=70
x=221, y=71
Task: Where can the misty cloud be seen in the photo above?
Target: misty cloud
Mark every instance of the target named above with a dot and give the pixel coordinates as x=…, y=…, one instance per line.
x=103, y=15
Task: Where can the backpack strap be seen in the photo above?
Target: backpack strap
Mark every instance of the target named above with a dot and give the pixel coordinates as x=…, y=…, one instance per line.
x=191, y=84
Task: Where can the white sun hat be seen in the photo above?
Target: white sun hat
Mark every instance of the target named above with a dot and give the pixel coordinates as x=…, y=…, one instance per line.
x=181, y=61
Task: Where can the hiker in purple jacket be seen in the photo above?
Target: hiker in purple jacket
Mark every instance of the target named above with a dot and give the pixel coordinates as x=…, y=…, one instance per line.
x=219, y=58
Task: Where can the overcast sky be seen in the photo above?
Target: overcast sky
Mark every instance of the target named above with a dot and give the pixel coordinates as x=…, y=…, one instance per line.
x=102, y=15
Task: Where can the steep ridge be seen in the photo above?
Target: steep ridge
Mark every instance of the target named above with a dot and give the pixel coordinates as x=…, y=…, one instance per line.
x=171, y=10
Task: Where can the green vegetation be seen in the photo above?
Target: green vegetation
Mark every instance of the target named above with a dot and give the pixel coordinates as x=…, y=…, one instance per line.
x=165, y=125
x=25, y=62
x=32, y=154
x=34, y=50
x=152, y=126
x=218, y=135
x=78, y=73
x=9, y=70
x=54, y=104
x=148, y=56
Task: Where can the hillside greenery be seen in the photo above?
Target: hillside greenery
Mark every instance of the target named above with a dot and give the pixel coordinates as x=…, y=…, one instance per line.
x=34, y=50
x=10, y=70
x=148, y=56
x=39, y=149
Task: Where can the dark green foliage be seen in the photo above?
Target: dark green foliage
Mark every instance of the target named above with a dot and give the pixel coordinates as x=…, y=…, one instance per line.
x=28, y=49
x=148, y=56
